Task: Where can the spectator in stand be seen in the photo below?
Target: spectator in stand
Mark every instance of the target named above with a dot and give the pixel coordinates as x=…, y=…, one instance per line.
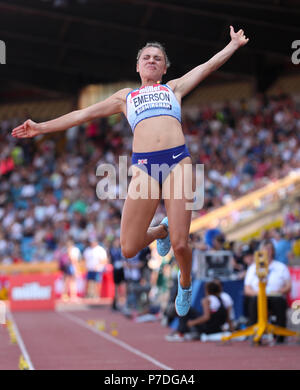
x=216, y=305
x=16, y=255
x=210, y=235
x=117, y=261
x=282, y=245
x=95, y=257
x=218, y=242
x=277, y=287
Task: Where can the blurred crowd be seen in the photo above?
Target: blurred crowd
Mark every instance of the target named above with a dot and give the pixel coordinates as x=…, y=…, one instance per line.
x=48, y=188
x=48, y=184
x=244, y=146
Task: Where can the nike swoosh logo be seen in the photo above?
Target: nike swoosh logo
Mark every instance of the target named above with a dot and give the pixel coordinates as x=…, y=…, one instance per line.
x=177, y=155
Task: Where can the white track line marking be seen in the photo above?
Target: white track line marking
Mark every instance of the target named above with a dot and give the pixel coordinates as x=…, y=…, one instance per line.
x=20, y=341
x=115, y=341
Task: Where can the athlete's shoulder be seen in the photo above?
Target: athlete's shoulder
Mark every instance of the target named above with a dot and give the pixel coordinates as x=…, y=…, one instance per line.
x=122, y=93
x=172, y=84
x=126, y=90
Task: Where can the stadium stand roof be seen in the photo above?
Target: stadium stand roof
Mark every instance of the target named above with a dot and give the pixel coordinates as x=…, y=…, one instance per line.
x=54, y=47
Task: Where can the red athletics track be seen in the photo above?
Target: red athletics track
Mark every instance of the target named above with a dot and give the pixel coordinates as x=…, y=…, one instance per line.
x=64, y=340
x=9, y=353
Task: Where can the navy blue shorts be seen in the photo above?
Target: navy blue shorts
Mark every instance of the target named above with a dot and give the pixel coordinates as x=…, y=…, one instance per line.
x=94, y=275
x=68, y=270
x=159, y=164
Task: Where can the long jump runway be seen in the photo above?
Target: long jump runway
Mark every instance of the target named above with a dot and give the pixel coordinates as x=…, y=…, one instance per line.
x=68, y=340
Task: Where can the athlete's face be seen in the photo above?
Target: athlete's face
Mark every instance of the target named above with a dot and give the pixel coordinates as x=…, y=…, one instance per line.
x=151, y=64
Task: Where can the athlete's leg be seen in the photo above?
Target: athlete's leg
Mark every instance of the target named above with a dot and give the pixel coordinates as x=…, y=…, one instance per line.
x=138, y=213
x=179, y=185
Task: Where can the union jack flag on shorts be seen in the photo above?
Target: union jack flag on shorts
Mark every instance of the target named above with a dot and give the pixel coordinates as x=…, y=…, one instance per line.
x=143, y=161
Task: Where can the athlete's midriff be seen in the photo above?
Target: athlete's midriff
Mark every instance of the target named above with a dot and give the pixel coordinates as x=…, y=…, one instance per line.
x=157, y=133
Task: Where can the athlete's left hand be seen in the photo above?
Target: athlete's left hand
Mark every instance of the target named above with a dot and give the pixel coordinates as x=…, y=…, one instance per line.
x=238, y=37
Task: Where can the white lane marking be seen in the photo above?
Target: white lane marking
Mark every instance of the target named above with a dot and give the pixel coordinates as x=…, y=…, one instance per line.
x=20, y=341
x=115, y=341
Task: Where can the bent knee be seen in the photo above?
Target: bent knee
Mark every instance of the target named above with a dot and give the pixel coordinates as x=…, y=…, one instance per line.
x=180, y=247
x=128, y=251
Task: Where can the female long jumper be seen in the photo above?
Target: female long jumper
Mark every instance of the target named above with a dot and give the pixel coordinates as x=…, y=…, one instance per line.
x=154, y=113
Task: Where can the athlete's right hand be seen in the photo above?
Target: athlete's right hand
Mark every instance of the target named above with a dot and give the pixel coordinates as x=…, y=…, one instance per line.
x=27, y=130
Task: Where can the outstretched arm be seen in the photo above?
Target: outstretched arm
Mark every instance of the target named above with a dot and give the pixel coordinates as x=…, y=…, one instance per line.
x=112, y=105
x=190, y=80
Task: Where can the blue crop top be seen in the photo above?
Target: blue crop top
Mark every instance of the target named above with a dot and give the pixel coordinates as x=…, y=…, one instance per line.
x=150, y=101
